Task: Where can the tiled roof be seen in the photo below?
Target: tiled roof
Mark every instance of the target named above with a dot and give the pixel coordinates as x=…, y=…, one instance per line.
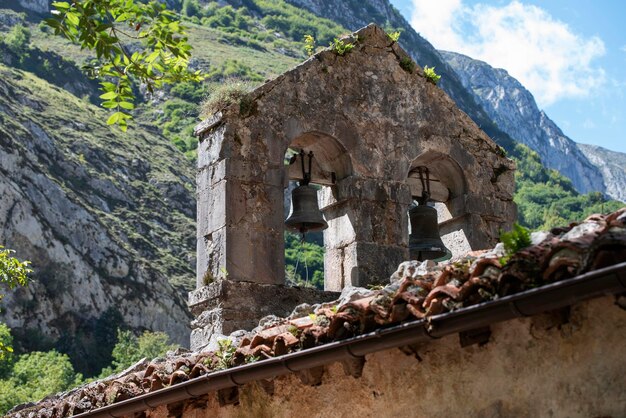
x=416, y=292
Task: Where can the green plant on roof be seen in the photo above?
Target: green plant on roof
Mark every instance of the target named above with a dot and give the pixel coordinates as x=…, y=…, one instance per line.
x=225, y=354
x=407, y=64
x=309, y=45
x=514, y=240
x=232, y=91
x=394, y=36
x=431, y=75
x=251, y=359
x=294, y=330
x=340, y=47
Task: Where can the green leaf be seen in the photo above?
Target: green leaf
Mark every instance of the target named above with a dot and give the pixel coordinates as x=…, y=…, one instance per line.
x=109, y=95
x=114, y=118
x=72, y=18
x=107, y=86
x=109, y=104
x=63, y=5
x=153, y=56
x=126, y=105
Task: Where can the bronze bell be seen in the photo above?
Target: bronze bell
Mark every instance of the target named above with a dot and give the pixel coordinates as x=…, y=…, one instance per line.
x=424, y=241
x=305, y=215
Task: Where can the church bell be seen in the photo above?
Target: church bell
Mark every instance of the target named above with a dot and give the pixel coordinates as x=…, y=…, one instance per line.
x=305, y=214
x=424, y=241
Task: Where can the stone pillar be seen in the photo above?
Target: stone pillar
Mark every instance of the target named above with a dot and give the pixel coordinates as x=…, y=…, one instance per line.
x=368, y=231
x=241, y=266
x=478, y=222
x=240, y=219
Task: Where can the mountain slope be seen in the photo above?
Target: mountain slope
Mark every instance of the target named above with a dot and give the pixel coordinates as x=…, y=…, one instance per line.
x=612, y=165
x=107, y=221
x=514, y=110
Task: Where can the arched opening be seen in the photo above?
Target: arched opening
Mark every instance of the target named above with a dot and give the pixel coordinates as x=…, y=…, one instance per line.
x=305, y=260
x=447, y=191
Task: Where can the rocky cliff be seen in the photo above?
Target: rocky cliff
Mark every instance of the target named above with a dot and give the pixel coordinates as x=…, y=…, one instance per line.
x=612, y=165
x=106, y=219
x=515, y=111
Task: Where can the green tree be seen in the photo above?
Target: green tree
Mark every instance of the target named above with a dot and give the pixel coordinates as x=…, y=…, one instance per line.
x=134, y=42
x=129, y=349
x=308, y=257
x=191, y=8
x=18, y=39
x=13, y=272
x=35, y=375
x=6, y=354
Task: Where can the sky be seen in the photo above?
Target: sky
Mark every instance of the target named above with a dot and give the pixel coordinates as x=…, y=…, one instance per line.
x=570, y=54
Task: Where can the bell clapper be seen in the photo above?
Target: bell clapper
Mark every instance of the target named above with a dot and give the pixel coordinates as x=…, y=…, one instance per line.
x=302, y=250
x=301, y=255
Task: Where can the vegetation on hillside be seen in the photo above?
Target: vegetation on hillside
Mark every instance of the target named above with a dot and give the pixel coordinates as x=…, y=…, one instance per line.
x=546, y=199
x=29, y=377
x=304, y=260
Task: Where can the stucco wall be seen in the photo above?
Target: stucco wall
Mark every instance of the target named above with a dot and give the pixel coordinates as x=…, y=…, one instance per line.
x=533, y=367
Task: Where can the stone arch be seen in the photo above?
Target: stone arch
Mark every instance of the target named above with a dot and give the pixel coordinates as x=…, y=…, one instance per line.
x=331, y=161
x=445, y=172
x=332, y=165
x=448, y=191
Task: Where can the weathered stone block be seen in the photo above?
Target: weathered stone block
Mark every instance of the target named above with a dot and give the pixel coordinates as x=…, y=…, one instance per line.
x=225, y=306
x=340, y=231
x=211, y=257
x=210, y=147
x=456, y=242
x=255, y=255
x=213, y=213
x=334, y=279
x=363, y=264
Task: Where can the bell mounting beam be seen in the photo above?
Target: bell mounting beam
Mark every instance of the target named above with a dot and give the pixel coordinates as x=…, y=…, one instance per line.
x=318, y=175
x=438, y=191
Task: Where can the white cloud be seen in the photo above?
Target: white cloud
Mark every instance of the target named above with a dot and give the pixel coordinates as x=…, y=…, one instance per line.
x=623, y=48
x=589, y=124
x=542, y=53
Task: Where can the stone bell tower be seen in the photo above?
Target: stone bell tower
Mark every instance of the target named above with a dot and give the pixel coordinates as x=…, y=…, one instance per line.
x=371, y=119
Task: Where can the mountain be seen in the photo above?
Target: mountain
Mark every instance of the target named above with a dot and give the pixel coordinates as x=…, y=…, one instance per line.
x=515, y=111
x=612, y=165
x=107, y=220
